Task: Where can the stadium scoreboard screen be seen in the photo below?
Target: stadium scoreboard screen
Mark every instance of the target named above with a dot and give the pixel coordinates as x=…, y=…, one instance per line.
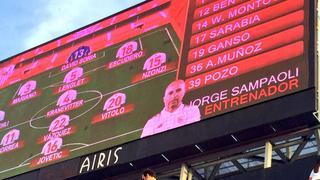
x=243, y=52
x=154, y=67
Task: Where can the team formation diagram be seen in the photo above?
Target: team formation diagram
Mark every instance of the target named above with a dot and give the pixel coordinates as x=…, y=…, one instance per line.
x=95, y=100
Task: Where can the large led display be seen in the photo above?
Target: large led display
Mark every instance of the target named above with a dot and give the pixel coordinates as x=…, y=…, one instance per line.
x=152, y=68
x=237, y=53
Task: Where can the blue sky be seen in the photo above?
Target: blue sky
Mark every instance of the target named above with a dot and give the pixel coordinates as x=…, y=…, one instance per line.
x=26, y=24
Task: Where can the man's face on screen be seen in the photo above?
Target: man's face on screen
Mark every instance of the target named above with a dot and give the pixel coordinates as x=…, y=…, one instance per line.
x=173, y=95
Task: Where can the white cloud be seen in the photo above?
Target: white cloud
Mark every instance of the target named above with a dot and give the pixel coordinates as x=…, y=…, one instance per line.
x=61, y=17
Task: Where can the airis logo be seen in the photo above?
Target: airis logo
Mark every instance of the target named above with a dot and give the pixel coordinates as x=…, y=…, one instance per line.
x=80, y=56
x=3, y=122
x=114, y=106
x=51, y=151
x=100, y=160
x=10, y=141
x=153, y=66
x=126, y=53
x=66, y=102
x=59, y=127
x=26, y=92
x=73, y=79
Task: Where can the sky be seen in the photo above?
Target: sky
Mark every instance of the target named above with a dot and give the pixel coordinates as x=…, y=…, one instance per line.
x=26, y=24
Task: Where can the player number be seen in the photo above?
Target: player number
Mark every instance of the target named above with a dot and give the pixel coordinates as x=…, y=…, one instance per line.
x=204, y=24
x=79, y=54
x=9, y=138
x=204, y=12
x=196, y=68
x=201, y=38
x=115, y=102
x=73, y=76
x=194, y=83
x=67, y=99
x=127, y=50
x=59, y=124
x=51, y=147
x=155, y=62
x=27, y=89
x=199, y=53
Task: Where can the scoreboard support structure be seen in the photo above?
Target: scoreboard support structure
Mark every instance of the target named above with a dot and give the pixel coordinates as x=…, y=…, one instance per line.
x=289, y=151
x=298, y=143
x=317, y=135
x=184, y=172
x=268, y=155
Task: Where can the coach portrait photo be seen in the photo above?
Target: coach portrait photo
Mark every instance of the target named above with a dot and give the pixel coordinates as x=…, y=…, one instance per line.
x=174, y=114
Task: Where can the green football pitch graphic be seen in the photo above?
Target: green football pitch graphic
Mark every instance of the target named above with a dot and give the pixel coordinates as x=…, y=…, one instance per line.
x=146, y=95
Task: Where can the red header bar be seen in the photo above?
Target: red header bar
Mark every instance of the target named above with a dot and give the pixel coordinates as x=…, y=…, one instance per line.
x=257, y=62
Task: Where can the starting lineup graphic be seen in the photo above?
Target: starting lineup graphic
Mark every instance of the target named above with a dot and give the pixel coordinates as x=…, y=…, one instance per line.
x=83, y=100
